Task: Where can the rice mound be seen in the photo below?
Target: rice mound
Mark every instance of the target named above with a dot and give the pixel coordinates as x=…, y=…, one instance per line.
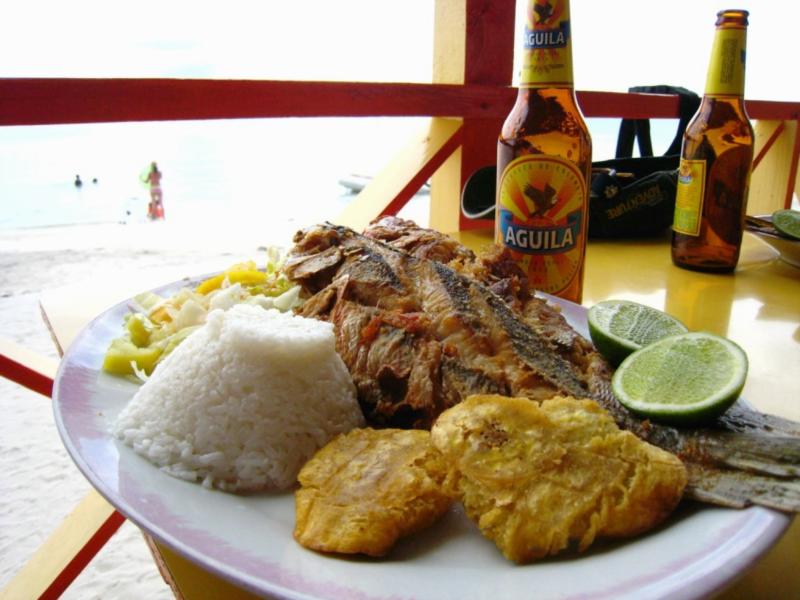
x=244, y=401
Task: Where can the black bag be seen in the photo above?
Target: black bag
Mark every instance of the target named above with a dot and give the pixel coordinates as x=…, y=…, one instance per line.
x=629, y=197
x=635, y=197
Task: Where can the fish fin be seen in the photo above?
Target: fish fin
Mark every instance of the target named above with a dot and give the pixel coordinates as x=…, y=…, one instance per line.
x=741, y=417
x=756, y=452
x=739, y=489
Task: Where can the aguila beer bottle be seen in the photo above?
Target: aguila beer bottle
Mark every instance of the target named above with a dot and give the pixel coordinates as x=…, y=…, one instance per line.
x=544, y=159
x=716, y=158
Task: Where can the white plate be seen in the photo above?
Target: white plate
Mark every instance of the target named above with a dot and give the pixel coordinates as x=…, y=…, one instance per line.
x=248, y=539
x=789, y=249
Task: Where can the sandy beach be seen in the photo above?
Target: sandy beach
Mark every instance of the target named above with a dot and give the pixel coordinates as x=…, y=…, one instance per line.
x=40, y=485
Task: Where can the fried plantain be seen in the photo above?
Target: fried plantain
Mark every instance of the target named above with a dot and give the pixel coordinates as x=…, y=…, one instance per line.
x=366, y=489
x=539, y=478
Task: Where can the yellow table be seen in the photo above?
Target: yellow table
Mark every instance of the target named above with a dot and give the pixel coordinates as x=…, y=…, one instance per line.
x=758, y=307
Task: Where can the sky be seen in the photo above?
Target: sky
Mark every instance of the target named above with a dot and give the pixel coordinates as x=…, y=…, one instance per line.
x=622, y=43
x=617, y=43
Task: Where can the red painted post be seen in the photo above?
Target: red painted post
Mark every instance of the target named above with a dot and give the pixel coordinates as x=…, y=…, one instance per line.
x=489, y=59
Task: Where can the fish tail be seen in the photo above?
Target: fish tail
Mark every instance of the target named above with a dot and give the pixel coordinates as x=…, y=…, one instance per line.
x=754, y=452
x=739, y=489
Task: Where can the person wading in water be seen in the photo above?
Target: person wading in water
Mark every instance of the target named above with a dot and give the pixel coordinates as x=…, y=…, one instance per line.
x=155, y=210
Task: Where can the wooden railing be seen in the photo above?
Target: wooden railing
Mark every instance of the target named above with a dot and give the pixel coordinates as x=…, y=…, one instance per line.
x=465, y=118
x=44, y=101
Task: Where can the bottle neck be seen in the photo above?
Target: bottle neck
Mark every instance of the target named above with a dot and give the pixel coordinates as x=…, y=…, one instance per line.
x=546, y=45
x=726, y=69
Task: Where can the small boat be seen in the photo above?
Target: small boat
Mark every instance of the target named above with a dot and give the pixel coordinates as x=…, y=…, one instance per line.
x=355, y=183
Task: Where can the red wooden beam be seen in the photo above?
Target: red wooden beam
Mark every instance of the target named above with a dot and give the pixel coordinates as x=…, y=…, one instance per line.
x=52, y=101
x=25, y=376
x=768, y=144
x=787, y=201
x=773, y=111
x=490, y=38
x=631, y=106
x=60, y=101
x=45, y=101
x=488, y=60
x=42, y=565
x=425, y=173
x=83, y=557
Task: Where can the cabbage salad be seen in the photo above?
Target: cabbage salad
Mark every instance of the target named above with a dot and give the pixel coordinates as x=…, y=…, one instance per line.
x=156, y=325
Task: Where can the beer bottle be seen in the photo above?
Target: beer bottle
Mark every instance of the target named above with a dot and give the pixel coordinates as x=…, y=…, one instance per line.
x=716, y=158
x=544, y=160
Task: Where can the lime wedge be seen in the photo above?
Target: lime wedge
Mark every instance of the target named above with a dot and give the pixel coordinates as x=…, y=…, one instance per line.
x=619, y=327
x=683, y=379
x=787, y=222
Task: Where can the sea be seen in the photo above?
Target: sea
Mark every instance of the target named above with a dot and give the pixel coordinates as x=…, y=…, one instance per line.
x=213, y=171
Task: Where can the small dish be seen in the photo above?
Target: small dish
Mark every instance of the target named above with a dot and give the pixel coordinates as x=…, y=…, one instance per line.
x=788, y=248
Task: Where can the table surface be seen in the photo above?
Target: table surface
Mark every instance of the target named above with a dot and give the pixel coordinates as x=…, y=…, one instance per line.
x=757, y=306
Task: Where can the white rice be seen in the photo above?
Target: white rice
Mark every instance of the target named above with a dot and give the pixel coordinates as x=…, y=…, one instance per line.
x=244, y=401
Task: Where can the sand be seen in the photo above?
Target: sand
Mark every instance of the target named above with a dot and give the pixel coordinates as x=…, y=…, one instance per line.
x=39, y=484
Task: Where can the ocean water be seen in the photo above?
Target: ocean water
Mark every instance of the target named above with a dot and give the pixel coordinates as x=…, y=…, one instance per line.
x=212, y=171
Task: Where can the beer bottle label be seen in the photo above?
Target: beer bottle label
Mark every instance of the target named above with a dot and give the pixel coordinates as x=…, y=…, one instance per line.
x=547, y=45
x=726, y=69
x=540, y=219
x=689, y=197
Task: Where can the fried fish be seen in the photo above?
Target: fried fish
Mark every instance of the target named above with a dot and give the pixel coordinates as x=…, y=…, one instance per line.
x=421, y=323
x=366, y=489
x=540, y=478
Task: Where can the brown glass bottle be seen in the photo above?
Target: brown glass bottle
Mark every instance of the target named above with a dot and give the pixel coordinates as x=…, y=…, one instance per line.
x=716, y=160
x=544, y=156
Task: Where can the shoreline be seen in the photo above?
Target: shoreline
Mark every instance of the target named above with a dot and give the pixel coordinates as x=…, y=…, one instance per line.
x=228, y=228
x=201, y=236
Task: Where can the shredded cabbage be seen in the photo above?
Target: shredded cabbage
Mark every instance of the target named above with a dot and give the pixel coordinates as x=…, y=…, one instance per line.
x=139, y=373
x=168, y=321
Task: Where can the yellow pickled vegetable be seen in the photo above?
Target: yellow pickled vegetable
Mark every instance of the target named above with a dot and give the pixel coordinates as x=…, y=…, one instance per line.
x=162, y=323
x=247, y=277
x=122, y=352
x=139, y=327
x=160, y=314
x=245, y=273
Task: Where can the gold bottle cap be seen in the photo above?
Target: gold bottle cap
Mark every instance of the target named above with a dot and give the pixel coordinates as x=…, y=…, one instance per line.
x=732, y=17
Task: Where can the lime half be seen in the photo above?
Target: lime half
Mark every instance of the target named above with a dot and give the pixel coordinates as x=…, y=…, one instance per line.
x=683, y=379
x=619, y=327
x=787, y=222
